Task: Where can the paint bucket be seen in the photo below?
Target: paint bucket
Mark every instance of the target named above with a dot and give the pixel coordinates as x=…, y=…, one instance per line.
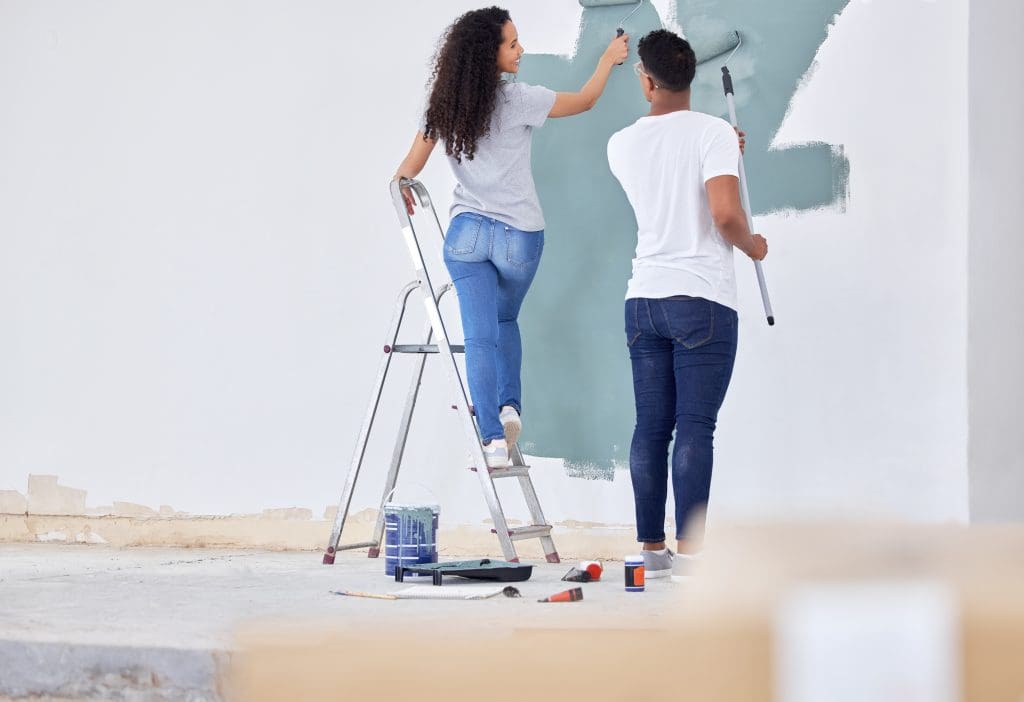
x=410, y=535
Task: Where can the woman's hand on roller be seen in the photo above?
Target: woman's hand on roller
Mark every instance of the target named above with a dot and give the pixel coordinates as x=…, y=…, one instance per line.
x=618, y=50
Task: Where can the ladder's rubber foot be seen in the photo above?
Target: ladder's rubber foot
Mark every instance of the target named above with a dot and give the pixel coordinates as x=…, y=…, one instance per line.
x=329, y=558
x=373, y=553
x=553, y=557
x=514, y=560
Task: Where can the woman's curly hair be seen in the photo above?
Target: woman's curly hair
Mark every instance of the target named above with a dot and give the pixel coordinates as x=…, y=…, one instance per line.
x=464, y=84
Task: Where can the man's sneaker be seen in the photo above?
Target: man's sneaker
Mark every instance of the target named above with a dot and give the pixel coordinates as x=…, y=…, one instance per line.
x=511, y=423
x=683, y=567
x=496, y=454
x=658, y=564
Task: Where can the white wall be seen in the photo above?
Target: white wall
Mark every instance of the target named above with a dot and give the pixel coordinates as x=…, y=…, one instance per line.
x=856, y=400
x=198, y=260
x=996, y=100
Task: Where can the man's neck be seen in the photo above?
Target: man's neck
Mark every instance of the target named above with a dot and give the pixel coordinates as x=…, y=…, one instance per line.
x=664, y=102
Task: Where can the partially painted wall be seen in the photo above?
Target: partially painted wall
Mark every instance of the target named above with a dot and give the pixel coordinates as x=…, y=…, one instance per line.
x=198, y=261
x=577, y=374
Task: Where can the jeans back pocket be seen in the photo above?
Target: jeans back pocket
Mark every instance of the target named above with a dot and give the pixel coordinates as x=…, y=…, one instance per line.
x=691, y=322
x=463, y=234
x=523, y=248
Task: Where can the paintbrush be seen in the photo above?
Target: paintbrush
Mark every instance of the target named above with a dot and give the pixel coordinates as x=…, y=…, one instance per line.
x=355, y=593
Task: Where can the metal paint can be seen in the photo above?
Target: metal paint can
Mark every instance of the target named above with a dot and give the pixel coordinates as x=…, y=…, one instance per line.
x=410, y=535
x=634, y=573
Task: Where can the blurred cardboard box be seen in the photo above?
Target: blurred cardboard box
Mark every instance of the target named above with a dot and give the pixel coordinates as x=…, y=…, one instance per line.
x=775, y=612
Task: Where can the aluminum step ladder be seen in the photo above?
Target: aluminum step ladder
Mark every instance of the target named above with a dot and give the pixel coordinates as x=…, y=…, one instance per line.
x=435, y=328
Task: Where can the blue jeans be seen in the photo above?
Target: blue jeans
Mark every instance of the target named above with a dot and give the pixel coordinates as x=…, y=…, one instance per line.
x=492, y=266
x=682, y=351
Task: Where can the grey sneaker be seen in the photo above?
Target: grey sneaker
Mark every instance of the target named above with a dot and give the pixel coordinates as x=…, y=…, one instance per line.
x=658, y=565
x=511, y=423
x=496, y=454
x=683, y=567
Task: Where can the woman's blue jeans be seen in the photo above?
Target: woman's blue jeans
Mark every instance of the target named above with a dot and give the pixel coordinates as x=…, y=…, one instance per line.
x=682, y=351
x=492, y=266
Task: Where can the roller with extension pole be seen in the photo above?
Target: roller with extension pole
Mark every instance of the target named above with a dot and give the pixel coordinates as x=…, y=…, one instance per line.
x=744, y=194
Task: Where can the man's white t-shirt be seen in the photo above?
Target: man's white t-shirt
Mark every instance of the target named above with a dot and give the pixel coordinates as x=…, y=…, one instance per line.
x=663, y=163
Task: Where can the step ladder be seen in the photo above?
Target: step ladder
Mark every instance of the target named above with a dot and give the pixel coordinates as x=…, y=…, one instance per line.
x=435, y=328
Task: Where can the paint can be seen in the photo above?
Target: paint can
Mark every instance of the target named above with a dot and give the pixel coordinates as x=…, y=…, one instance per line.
x=410, y=535
x=634, y=573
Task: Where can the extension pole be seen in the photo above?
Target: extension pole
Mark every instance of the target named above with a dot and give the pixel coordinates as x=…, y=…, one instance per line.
x=745, y=196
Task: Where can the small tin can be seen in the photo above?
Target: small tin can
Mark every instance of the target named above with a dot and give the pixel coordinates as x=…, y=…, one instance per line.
x=634, y=573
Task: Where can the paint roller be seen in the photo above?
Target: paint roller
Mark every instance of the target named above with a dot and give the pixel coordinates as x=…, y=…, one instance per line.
x=744, y=195
x=705, y=50
x=608, y=3
x=709, y=49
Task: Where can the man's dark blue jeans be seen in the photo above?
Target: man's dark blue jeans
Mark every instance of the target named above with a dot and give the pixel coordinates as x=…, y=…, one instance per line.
x=682, y=351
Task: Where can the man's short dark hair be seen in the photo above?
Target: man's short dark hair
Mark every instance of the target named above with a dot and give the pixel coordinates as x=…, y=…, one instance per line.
x=668, y=59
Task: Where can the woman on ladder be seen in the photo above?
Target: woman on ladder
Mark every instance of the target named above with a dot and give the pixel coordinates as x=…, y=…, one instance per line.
x=496, y=236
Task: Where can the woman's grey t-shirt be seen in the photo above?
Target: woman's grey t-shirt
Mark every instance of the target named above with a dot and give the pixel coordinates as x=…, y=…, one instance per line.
x=498, y=181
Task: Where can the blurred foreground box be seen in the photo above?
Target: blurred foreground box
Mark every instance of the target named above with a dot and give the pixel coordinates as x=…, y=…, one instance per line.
x=795, y=613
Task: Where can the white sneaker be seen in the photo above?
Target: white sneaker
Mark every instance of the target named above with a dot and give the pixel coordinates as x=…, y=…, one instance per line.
x=511, y=423
x=496, y=454
x=683, y=567
x=658, y=564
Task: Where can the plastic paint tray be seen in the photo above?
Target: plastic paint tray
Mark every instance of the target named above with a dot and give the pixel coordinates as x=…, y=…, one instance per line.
x=486, y=569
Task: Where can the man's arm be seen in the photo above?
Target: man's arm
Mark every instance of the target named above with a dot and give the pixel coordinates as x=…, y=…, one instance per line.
x=730, y=219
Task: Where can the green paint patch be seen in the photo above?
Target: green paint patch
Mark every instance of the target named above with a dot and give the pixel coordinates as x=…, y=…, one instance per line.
x=576, y=374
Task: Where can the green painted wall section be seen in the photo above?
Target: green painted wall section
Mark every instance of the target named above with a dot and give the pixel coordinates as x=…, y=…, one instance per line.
x=577, y=385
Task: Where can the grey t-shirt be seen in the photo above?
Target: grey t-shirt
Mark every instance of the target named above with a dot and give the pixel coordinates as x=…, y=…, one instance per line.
x=498, y=181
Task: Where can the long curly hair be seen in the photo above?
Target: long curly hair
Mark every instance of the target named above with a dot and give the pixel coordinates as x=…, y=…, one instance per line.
x=464, y=83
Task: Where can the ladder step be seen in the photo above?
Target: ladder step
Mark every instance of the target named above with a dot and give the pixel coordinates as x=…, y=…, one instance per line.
x=513, y=472
x=534, y=531
x=421, y=348
x=361, y=544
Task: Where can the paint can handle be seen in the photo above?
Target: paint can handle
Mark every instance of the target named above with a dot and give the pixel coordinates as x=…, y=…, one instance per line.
x=433, y=495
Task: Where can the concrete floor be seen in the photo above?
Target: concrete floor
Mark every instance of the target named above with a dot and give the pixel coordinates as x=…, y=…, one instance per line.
x=90, y=622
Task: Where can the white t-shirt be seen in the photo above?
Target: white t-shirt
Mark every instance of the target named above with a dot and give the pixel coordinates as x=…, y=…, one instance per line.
x=663, y=163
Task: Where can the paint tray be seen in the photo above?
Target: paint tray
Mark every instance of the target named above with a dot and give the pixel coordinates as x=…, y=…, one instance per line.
x=485, y=569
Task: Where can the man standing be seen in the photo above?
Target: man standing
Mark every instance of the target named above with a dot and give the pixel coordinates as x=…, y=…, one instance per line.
x=680, y=172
